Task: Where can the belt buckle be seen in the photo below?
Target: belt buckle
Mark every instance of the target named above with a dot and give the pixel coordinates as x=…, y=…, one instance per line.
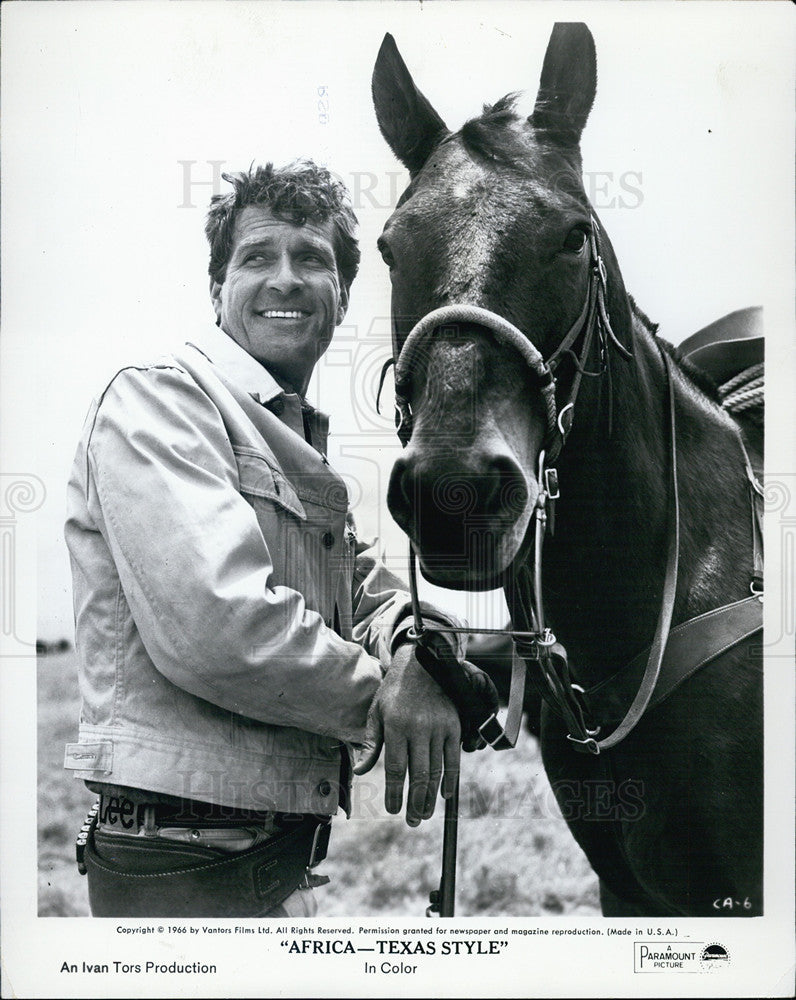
x=320, y=843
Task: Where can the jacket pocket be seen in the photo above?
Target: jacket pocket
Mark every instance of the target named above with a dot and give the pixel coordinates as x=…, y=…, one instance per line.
x=260, y=479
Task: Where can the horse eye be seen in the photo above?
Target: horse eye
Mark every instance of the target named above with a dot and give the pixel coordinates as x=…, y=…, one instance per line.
x=576, y=240
x=384, y=250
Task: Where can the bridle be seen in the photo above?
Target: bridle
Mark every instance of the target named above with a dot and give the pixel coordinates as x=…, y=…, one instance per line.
x=534, y=642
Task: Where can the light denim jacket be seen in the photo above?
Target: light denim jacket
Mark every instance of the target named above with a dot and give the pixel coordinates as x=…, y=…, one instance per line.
x=230, y=630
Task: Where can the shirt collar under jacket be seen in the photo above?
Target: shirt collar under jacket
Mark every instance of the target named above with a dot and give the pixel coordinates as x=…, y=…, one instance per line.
x=242, y=369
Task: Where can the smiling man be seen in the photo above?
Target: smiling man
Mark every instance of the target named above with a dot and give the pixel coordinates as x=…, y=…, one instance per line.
x=280, y=296
x=232, y=633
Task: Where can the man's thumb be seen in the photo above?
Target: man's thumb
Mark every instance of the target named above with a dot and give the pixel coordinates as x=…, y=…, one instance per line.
x=371, y=745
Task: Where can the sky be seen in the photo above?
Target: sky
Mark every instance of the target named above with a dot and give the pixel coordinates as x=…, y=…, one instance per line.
x=119, y=118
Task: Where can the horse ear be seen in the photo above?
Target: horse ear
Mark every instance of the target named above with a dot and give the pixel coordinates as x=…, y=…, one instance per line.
x=407, y=121
x=568, y=83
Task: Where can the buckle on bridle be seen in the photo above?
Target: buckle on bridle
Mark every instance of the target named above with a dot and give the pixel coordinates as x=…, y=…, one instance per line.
x=491, y=725
x=578, y=690
x=602, y=272
x=588, y=744
x=551, y=484
x=533, y=647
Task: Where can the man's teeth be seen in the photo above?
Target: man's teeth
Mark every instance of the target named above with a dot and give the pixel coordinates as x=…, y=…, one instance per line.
x=282, y=313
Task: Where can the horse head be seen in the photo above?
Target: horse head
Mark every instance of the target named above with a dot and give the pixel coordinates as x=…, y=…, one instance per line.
x=491, y=251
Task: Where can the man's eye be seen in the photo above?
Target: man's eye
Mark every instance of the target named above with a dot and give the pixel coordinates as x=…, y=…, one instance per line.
x=576, y=240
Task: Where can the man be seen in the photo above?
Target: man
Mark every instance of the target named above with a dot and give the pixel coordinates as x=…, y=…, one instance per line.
x=231, y=631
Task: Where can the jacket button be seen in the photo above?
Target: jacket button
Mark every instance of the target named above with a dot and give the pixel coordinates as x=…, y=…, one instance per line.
x=328, y=539
x=324, y=788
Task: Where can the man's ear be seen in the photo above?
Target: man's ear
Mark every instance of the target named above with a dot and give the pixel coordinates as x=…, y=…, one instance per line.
x=215, y=298
x=342, y=306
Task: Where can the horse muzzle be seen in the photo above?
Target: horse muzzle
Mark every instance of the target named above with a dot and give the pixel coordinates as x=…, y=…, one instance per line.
x=465, y=513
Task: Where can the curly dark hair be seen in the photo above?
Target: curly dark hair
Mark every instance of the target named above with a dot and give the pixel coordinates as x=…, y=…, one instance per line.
x=297, y=192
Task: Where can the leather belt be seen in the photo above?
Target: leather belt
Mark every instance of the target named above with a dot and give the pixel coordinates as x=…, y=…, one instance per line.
x=120, y=814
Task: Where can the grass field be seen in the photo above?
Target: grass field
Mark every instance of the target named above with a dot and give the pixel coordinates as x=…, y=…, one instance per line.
x=516, y=856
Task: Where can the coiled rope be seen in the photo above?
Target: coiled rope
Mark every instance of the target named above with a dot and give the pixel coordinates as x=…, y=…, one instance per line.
x=744, y=394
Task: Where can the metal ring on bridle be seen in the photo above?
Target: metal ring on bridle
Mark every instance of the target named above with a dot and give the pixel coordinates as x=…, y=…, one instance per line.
x=560, y=421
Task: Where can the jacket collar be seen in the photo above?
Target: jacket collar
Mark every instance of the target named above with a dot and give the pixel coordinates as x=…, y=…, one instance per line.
x=240, y=367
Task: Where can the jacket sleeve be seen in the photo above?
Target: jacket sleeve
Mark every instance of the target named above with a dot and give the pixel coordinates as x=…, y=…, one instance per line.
x=383, y=608
x=162, y=486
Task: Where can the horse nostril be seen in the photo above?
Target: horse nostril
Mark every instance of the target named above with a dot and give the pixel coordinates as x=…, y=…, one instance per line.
x=507, y=492
x=430, y=499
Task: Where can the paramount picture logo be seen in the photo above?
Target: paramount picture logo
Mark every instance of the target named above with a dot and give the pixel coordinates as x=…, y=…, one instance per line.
x=678, y=956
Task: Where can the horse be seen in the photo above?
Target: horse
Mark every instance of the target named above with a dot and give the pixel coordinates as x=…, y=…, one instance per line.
x=556, y=445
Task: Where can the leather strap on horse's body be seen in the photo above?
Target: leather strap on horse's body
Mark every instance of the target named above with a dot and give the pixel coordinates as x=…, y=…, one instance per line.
x=655, y=658
x=691, y=646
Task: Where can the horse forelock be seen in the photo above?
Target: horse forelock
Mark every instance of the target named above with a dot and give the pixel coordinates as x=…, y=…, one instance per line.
x=501, y=135
x=494, y=135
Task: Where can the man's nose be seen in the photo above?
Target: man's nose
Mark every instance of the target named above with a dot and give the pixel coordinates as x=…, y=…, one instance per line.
x=284, y=276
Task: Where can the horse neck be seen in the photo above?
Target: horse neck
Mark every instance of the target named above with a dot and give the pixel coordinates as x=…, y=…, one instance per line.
x=604, y=566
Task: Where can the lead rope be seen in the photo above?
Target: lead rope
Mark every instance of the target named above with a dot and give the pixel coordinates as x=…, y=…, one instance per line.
x=442, y=901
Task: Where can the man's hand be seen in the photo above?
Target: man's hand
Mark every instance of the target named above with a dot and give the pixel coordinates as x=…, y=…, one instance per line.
x=419, y=728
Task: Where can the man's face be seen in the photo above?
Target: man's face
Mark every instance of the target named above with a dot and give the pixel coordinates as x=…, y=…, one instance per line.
x=282, y=297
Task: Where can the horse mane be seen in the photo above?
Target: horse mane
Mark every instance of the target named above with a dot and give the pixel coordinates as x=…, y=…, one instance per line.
x=703, y=382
